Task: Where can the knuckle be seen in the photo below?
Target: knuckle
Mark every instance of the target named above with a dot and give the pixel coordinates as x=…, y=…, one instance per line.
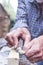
x=7, y=36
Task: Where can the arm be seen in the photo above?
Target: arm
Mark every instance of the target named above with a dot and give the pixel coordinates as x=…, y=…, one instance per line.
x=20, y=27
x=21, y=16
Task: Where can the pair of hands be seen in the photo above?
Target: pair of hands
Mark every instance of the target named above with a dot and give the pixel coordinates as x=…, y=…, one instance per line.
x=33, y=48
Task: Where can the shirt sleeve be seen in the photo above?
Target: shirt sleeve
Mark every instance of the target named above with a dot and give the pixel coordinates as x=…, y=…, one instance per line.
x=21, y=16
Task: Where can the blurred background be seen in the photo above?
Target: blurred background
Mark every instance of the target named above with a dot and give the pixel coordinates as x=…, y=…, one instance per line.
x=8, y=9
x=10, y=6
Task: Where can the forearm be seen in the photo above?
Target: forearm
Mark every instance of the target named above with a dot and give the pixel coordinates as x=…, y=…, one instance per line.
x=21, y=16
x=19, y=24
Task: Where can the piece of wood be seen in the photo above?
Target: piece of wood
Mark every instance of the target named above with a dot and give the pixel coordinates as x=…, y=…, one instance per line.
x=13, y=58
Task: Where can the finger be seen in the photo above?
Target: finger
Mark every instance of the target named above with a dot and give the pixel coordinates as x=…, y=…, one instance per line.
x=15, y=41
x=27, y=46
x=26, y=38
x=35, y=60
x=9, y=45
x=36, y=57
x=31, y=52
x=26, y=41
x=9, y=39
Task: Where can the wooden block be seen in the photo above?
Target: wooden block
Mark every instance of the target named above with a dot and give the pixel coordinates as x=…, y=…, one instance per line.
x=13, y=58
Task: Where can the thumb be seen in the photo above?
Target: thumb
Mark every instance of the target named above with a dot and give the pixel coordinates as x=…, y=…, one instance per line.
x=26, y=42
x=27, y=45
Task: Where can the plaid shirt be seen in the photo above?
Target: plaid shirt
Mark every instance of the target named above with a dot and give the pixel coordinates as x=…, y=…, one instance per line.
x=29, y=15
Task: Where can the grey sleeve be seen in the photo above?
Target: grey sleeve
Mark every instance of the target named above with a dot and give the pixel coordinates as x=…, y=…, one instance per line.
x=21, y=16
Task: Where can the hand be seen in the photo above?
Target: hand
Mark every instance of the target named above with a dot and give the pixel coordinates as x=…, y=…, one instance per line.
x=12, y=37
x=34, y=49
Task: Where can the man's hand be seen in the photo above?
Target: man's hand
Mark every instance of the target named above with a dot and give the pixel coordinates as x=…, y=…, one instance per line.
x=12, y=37
x=34, y=49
